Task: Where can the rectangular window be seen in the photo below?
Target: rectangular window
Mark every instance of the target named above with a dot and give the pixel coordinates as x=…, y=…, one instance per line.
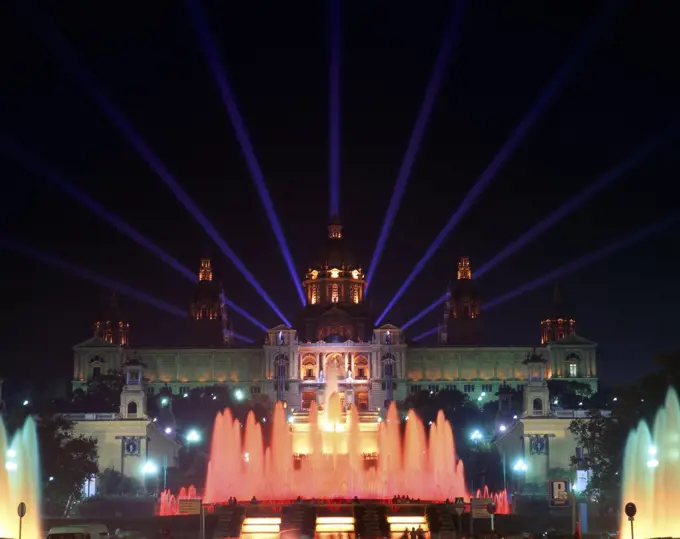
x=255, y=390
x=469, y=388
x=415, y=389
x=433, y=388
x=488, y=388
x=573, y=370
x=450, y=387
x=361, y=373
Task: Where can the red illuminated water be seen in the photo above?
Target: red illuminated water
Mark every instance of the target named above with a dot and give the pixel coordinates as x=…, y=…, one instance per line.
x=413, y=465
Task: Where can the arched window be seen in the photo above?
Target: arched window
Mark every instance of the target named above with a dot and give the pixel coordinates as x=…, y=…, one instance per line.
x=538, y=406
x=132, y=409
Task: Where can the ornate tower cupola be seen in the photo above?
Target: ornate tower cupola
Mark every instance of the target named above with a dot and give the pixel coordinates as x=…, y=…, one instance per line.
x=210, y=320
x=558, y=326
x=336, y=278
x=334, y=289
x=463, y=309
x=112, y=327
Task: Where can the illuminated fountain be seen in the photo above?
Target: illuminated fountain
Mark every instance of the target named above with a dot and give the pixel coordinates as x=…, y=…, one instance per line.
x=20, y=482
x=651, y=474
x=333, y=454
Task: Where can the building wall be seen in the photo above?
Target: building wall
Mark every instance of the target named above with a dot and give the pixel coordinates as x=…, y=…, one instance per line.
x=109, y=431
x=515, y=445
x=476, y=371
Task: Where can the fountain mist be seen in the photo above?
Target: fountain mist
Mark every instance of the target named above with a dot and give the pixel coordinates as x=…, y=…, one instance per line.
x=651, y=474
x=20, y=482
x=334, y=463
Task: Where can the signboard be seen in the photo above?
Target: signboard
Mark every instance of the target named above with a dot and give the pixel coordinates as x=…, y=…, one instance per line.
x=459, y=506
x=479, y=507
x=189, y=507
x=559, y=492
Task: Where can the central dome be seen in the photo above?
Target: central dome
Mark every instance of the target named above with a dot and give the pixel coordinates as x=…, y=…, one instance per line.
x=335, y=253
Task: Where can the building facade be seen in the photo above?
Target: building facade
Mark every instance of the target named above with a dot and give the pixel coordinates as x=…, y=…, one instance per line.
x=335, y=336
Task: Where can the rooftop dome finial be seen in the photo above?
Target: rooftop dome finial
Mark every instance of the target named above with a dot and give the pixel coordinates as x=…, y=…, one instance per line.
x=335, y=228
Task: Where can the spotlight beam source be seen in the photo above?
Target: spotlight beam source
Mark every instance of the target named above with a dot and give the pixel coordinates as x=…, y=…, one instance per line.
x=229, y=100
x=106, y=282
x=71, y=62
x=508, y=148
x=576, y=265
x=334, y=107
x=422, y=120
x=39, y=168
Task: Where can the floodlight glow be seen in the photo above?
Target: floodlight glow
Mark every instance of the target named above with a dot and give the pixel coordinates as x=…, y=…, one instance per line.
x=502, y=428
x=193, y=436
x=71, y=62
x=239, y=395
x=652, y=463
x=229, y=99
x=520, y=466
x=435, y=82
x=11, y=453
x=476, y=435
x=25, y=403
x=149, y=468
x=580, y=198
x=168, y=430
x=165, y=401
x=652, y=450
x=508, y=148
x=11, y=466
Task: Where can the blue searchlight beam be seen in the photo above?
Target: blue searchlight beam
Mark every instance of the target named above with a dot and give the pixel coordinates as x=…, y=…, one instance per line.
x=508, y=148
x=71, y=62
x=229, y=100
x=39, y=168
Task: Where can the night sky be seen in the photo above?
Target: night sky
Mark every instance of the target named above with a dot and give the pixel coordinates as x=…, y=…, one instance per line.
x=148, y=58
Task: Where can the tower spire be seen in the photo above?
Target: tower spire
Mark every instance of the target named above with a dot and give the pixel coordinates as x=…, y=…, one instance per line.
x=335, y=228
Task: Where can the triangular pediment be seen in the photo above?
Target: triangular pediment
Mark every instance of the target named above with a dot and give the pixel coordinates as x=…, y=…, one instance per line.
x=389, y=327
x=280, y=327
x=95, y=342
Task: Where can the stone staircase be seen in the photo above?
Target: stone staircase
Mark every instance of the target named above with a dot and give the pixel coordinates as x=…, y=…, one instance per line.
x=298, y=520
x=371, y=521
x=441, y=521
x=229, y=519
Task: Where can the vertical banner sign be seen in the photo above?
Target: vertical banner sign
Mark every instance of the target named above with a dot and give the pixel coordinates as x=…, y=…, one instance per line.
x=559, y=492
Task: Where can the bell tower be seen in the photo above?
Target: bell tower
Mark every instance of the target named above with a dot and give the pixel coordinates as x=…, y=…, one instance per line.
x=112, y=327
x=334, y=289
x=133, y=396
x=462, y=324
x=536, y=393
x=559, y=325
x=209, y=317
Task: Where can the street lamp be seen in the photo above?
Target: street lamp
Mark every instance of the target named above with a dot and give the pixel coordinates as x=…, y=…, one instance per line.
x=149, y=468
x=193, y=436
x=476, y=435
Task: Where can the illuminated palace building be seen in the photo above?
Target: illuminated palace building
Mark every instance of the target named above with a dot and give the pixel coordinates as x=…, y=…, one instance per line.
x=335, y=344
